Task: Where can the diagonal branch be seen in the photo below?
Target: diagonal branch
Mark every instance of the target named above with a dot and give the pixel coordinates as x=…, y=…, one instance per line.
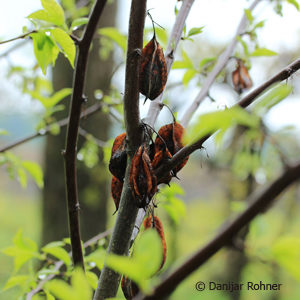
x=72, y=132
x=22, y=36
x=221, y=62
x=259, y=202
x=246, y=101
x=119, y=243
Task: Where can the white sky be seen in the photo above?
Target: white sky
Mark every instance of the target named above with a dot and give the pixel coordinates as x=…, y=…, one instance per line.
x=220, y=18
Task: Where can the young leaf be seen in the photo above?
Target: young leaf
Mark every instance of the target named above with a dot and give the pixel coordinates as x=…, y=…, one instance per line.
x=272, y=97
x=66, y=43
x=35, y=171
x=3, y=132
x=92, y=279
x=249, y=15
x=263, y=52
x=295, y=3
x=78, y=22
x=54, y=99
x=194, y=31
x=13, y=281
x=211, y=122
x=188, y=76
x=244, y=45
x=115, y=35
x=45, y=50
x=59, y=253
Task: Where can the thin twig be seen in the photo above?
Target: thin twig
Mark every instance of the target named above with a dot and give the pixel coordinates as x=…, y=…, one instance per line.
x=259, y=202
x=72, y=132
x=220, y=64
x=120, y=241
x=246, y=101
x=22, y=36
x=60, y=263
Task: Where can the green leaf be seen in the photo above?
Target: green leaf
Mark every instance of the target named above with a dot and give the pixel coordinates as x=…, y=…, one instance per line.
x=195, y=30
x=3, y=132
x=115, y=35
x=66, y=44
x=89, y=153
x=45, y=50
x=96, y=258
x=35, y=171
x=205, y=61
x=23, y=250
x=249, y=16
x=145, y=262
x=286, y=252
x=52, y=13
x=78, y=290
x=92, y=279
x=78, y=22
x=188, y=76
x=295, y=3
x=59, y=253
x=49, y=102
x=211, y=122
x=263, y=52
x=259, y=24
x=54, y=128
x=272, y=97
x=22, y=176
x=244, y=45
x=13, y=281
x=186, y=63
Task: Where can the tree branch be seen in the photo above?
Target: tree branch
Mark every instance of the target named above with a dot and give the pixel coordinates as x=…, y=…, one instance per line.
x=259, y=202
x=221, y=63
x=119, y=243
x=72, y=132
x=246, y=101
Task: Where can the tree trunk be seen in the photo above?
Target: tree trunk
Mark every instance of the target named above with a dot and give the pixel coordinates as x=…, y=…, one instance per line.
x=93, y=184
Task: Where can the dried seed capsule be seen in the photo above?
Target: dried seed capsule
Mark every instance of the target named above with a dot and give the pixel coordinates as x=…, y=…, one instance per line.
x=116, y=191
x=167, y=143
x=142, y=179
x=118, y=160
x=154, y=222
x=153, y=74
x=241, y=78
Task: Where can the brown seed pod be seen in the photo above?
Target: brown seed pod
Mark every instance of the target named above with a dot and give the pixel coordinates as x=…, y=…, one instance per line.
x=154, y=222
x=167, y=143
x=116, y=191
x=129, y=288
x=142, y=179
x=241, y=78
x=117, y=163
x=153, y=74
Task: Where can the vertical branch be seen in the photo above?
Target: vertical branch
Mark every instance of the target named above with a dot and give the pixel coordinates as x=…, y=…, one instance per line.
x=72, y=132
x=221, y=62
x=119, y=243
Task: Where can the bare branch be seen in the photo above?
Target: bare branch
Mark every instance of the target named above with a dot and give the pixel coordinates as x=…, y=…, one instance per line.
x=22, y=36
x=246, y=101
x=119, y=243
x=221, y=63
x=259, y=202
x=72, y=132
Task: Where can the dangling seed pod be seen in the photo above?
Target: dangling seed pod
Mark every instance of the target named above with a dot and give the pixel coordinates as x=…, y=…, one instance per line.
x=117, y=163
x=142, y=179
x=154, y=222
x=167, y=143
x=116, y=191
x=241, y=78
x=153, y=74
x=129, y=288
